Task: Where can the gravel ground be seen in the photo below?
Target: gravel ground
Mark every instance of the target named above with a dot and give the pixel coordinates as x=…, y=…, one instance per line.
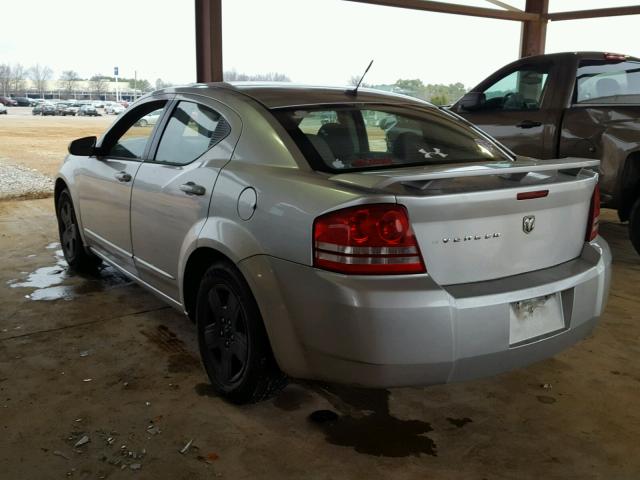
x=21, y=182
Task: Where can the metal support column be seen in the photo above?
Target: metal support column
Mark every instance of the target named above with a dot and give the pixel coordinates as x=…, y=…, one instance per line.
x=534, y=32
x=209, y=40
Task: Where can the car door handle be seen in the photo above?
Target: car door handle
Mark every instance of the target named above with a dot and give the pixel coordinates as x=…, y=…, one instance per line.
x=191, y=188
x=123, y=177
x=528, y=124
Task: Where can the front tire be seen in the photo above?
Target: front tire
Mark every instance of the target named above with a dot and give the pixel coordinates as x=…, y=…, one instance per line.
x=72, y=247
x=234, y=346
x=634, y=225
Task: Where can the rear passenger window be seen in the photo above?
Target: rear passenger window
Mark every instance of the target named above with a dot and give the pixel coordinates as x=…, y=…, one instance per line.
x=192, y=130
x=607, y=81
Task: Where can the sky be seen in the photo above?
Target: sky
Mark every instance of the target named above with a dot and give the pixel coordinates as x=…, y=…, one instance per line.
x=311, y=41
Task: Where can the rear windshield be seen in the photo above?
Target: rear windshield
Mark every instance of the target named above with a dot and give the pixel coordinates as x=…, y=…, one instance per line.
x=602, y=81
x=361, y=137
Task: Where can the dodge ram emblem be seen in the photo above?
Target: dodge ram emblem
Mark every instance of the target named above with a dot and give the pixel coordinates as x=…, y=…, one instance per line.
x=528, y=223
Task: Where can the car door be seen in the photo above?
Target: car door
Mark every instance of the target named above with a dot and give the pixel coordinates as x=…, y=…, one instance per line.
x=172, y=190
x=104, y=184
x=516, y=109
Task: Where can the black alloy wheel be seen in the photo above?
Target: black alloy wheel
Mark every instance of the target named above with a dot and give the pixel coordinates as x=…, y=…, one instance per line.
x=234, y=346
x=225, y=335
x=72, y=247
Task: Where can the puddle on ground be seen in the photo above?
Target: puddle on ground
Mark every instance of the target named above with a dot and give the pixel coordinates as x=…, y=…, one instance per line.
x=459, y=422
x=366, y=425
x=57, y=282
x=292, y=398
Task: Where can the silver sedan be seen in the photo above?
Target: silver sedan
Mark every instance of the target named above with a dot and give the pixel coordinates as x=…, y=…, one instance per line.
x=348, y=236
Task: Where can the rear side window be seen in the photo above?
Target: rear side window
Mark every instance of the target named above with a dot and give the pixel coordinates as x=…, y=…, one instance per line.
x=605, y=81
x=192, y=130
x=359, y=137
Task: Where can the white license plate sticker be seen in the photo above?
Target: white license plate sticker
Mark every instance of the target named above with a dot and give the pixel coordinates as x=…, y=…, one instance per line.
x=535, y=317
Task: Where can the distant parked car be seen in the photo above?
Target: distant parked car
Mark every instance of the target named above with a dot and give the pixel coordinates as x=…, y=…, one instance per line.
x=150, y=119
x=114, y=108
x=8, y=102
x=3, y=109
x=98, y=103
x=35, y=101
x=88, y=110
x=44, y=108
x=63, y=109
x=73, y=108
x=23, y=101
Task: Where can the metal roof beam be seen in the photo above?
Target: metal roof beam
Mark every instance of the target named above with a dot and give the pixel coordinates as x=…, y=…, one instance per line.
x=442, y=7
x=208, y=14
x=506, y=6
x=595, y=13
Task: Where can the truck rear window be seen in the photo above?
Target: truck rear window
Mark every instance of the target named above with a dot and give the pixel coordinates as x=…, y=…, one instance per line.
x=361, y=136
x=605, y=81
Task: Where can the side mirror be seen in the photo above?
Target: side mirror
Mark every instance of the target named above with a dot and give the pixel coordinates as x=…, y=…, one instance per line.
x=472, y=101
x=83, y=147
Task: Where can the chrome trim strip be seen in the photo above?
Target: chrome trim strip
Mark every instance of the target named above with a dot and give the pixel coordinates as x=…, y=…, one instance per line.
x=148, y=266
x=137, y=279
x=367, y=260
x=332, y=247
x=121, y=251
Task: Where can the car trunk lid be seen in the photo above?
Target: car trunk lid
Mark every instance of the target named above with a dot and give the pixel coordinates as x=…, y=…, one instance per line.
x=491, y=220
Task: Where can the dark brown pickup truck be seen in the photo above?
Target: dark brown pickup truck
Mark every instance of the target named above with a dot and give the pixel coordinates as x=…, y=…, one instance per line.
x=584, y=104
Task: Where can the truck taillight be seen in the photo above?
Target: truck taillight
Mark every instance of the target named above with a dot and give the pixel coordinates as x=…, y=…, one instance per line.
x=374, y=239
x=615, y=57
x=594, y=215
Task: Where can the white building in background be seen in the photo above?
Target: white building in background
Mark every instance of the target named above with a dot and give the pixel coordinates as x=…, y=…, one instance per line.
x=82, y=90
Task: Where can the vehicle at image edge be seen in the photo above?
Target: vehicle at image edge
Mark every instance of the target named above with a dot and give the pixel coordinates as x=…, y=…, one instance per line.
x=3, y=109
x=338, y=251
x=584, y=104
x=44, y=109
x=87, y=110
x=8, y=102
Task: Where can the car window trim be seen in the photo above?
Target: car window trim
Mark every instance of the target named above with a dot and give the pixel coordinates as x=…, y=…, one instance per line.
x=165, y=121
x=549, y=65
x=146, y=151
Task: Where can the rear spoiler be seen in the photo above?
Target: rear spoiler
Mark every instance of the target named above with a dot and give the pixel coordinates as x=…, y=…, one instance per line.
x=415, y=176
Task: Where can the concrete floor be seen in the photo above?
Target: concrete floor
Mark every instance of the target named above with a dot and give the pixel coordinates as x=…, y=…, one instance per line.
x=102, y=358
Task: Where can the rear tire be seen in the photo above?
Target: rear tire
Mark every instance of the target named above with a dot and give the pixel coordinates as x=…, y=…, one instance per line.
x=72, y=247
x=234, y=346
x=634, y=225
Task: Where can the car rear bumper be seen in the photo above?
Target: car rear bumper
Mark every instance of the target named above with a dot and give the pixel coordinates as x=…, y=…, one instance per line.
x=398, y=331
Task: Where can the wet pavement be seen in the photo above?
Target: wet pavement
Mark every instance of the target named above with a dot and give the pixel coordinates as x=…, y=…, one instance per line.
x=99, y=379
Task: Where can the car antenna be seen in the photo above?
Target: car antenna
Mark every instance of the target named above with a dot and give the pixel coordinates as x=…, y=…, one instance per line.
x=354, y=92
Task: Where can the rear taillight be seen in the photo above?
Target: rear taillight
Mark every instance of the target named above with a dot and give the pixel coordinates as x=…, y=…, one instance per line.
x=372, y=239
x=594, y=215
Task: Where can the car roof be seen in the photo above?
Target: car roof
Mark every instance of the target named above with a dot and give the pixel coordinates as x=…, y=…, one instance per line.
x=285, y=94
x=582, y=55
